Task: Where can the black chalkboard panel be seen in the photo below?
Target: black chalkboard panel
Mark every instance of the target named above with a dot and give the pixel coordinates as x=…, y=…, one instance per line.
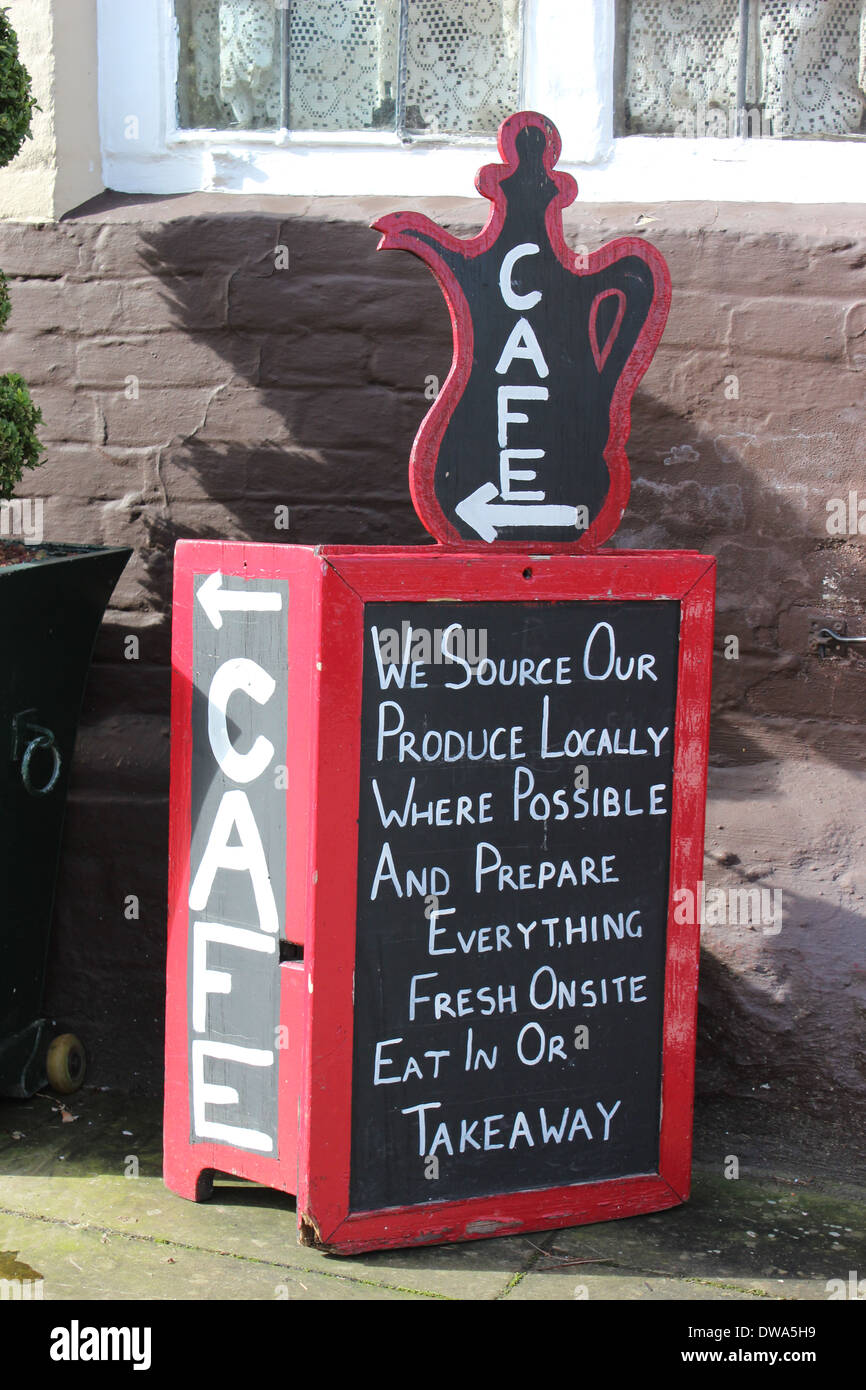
x=514, y=845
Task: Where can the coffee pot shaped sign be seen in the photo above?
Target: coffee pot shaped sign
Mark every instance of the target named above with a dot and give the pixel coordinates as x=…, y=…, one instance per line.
x=526, y=440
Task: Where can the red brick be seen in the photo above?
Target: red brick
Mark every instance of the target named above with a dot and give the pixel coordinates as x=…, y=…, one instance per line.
x=39, y=306
x=68, y=416
x=246, y=416
x=187, y=245
x=168, y=359
x=38, y=251
x=698, y=320
x=362, y=473
x=688, y=508
x=134, y=603
x=402, y=362
x=189, y=302
x=127, y=520
x=123, y=306
x=765, y=383
x=141, y=685
x=388, y=524
x=283, y=476
x=837, y=686
x=121, y=749
x=69, y=306
x=737, y=261
x=72, y=471
x=199, y=470
x=756, y=581
x=836, y=263
x=39, y=358
x=79, y=519
x=691, y=382
x=373, y=307
x=338, y=418
x=327, y=248
x=313, y=357
x=194, y=474
x=805, y=329
x=855, y=336
x=157, y=416
x=212, y=520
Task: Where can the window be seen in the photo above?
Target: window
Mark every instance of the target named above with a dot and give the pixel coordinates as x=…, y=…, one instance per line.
x=440, y=67
x=742, y=67
x=655, y=100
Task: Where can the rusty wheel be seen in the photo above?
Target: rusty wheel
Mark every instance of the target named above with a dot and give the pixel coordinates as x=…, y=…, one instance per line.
x=66, y=1064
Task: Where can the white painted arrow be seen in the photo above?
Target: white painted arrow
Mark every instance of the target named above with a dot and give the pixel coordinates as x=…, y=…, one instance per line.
x=477, y=511
x=215, y=600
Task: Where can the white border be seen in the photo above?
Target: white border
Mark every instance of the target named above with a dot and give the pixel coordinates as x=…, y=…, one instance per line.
x=568, y=75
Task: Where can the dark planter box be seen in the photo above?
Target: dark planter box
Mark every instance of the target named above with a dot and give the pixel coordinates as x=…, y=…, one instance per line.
x=50, y=612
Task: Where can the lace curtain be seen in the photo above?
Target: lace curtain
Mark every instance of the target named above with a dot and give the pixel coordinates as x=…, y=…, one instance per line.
x=806, y=70
x=462, y=64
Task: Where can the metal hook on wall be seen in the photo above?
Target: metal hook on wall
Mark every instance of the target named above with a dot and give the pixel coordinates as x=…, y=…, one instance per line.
x=826, y=637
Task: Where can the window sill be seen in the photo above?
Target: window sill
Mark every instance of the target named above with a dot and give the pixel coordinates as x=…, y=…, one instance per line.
x=636, y=168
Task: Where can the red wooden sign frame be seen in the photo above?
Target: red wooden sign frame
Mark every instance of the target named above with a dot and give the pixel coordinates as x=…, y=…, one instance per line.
x=328, y=589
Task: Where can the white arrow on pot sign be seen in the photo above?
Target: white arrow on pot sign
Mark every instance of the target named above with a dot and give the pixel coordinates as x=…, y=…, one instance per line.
x=479, y=512
x=215, y=600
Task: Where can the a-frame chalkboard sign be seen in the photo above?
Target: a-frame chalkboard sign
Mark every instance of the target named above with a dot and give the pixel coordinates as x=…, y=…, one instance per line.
x=433, y=809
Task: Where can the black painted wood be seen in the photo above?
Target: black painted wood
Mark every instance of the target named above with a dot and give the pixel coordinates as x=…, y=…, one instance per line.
x=527, y=440
x=619, y=1059
x=571, y=425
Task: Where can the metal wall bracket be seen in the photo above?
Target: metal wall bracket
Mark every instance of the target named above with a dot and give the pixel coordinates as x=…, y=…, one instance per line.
x=826, y=640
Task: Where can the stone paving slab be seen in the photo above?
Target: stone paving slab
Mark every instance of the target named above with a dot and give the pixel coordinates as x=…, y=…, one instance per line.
x=72, y=1209
x=765, y=1235
x=74, y=1172
x=581, y=1283
x=84, y=1265
x=259, y=1225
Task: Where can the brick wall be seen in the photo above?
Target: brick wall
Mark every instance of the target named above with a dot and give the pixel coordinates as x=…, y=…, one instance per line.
x=192, y=383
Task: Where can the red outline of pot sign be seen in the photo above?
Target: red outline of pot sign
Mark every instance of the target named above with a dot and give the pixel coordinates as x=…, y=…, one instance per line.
x=454, y=500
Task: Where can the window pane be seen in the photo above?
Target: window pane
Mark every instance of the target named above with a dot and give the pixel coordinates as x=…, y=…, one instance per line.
x=462, y=65
x=681, y=66
x=461, y=57
x=813, y=54
x=804, y=72
x=229, y=68
x=342, y=64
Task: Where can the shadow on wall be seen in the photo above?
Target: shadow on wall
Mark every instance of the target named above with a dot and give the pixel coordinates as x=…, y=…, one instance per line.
x=309, y=415
x=312, y=361
x=320, y=362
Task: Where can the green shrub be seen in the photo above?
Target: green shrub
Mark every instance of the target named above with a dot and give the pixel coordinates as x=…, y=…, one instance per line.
x=16, y=100
x=19, y=447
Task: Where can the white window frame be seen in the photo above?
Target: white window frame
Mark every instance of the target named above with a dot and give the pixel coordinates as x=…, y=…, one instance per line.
x=567, y=74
